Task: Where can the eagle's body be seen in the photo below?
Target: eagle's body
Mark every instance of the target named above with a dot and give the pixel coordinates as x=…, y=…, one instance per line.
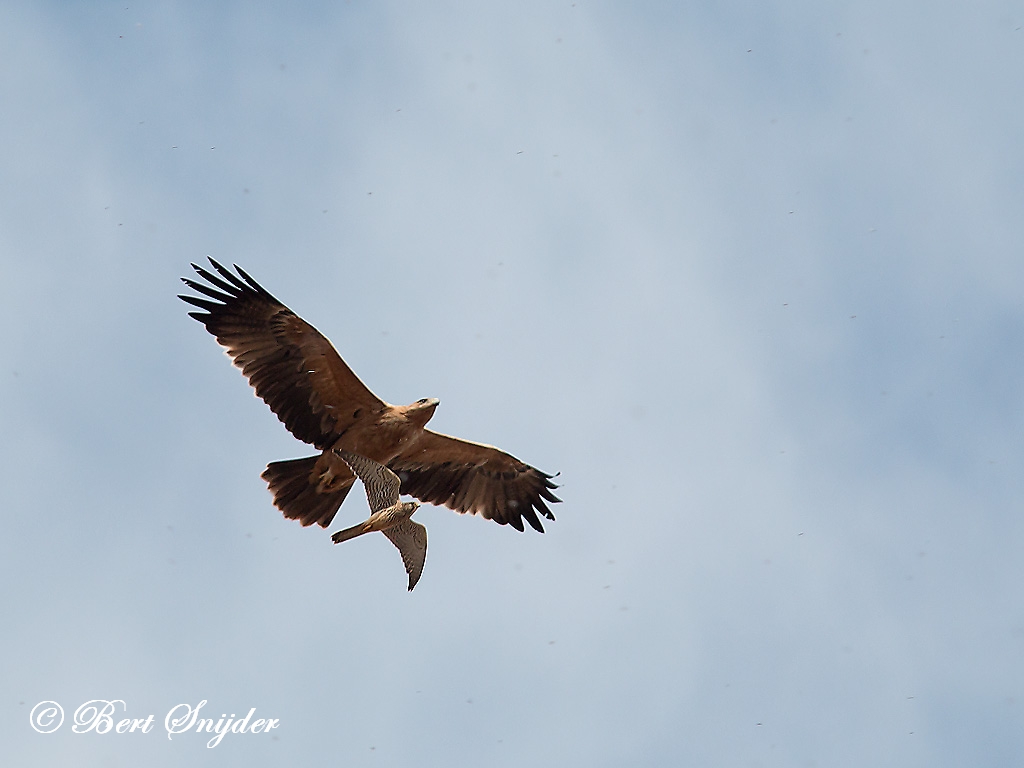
x=297, y=372
x=379, y=435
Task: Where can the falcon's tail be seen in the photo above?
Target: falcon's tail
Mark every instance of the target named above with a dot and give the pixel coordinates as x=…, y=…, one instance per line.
x=350, y=533
x=297, y=497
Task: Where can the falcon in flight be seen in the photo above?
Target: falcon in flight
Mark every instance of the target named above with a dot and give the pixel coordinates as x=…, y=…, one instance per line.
x=297, y=372
x=388, y=515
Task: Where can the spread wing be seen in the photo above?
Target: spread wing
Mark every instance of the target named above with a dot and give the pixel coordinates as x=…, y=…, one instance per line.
x=475, y=478
x=290, y=364
x=411, y=540
x=381, y=483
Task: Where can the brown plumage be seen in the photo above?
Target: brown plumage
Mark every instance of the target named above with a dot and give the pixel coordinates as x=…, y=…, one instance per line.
x=297, y=372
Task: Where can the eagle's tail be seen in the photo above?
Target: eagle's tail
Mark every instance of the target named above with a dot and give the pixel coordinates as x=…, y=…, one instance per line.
x=298, y=497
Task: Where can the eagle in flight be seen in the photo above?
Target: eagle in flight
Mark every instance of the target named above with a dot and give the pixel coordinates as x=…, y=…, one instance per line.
x=303, y=379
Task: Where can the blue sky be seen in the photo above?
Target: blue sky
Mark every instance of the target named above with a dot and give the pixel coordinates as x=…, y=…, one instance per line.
x=748, y=276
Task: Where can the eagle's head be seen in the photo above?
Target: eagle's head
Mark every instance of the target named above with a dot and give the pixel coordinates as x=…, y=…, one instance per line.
x=423, y=409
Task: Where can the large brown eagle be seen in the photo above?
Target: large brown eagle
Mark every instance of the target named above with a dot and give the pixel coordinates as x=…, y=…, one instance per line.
x=297, y=372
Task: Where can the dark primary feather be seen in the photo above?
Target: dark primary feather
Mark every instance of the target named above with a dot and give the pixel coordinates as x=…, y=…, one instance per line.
x=290, y=364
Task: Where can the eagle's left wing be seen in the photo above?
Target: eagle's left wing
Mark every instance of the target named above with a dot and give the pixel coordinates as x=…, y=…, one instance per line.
x=475, y=478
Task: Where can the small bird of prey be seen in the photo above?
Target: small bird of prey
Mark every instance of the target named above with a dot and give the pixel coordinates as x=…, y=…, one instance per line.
x=388, y=515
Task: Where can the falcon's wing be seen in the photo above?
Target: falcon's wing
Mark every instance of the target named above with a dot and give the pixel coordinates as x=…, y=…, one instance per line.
x=381, y=483
x=475, y=478
x=411, y=540
x=288, y=362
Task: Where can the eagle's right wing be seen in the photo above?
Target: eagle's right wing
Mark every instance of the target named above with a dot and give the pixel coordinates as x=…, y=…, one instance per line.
x=290, y=364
